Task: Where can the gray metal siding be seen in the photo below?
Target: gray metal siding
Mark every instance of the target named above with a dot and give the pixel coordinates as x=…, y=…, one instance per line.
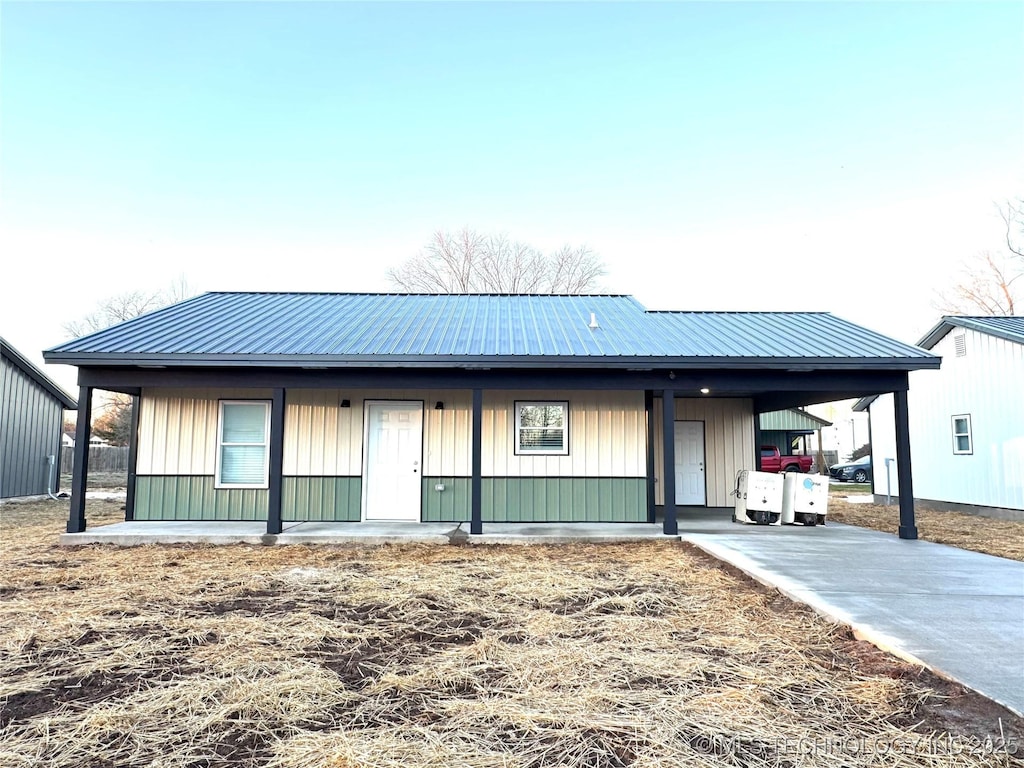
x=30, y=427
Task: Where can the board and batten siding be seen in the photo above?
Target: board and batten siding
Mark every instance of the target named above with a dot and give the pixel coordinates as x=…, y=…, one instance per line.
x=986, y=382
x=31, y=420
x=728, y=443
x=607, y=436
x=323, y=439
x=323, y=453
x=178, y=429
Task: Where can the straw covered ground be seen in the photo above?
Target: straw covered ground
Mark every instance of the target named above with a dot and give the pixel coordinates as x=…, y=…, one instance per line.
x=1002, y=538
x=592, y=655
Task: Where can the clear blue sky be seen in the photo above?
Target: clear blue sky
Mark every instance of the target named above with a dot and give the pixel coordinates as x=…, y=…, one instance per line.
x=836, y=156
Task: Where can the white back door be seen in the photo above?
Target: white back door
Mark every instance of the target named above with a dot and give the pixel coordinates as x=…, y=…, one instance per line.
x=394, y=457
x=690, y=489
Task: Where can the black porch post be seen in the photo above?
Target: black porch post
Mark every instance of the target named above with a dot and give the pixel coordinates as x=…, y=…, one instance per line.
x=80, y=478
x=908, y=526
x=276, y=462
x=133, y=459
x=476, y=524
x=649, y=410
x=757, y=441
x=668, y=472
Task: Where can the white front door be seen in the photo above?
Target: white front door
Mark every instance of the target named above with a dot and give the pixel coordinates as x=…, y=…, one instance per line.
x=690, y=488
x=394, y=455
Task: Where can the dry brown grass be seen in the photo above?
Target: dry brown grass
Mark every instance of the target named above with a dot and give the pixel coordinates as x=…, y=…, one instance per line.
x=592, y=655
x=1002, y=538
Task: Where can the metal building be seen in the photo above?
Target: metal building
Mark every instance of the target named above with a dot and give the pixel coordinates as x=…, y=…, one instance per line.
x=966, y=421
x=31, y=417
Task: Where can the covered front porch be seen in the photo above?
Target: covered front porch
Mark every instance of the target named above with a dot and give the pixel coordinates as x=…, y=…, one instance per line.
x=656, y=393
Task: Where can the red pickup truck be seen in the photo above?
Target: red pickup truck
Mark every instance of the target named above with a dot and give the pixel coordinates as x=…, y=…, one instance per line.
x=773, y=461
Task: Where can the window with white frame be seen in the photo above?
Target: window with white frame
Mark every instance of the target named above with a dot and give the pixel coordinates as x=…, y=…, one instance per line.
x=243, y=439
x=542, y=428
x=962, y=442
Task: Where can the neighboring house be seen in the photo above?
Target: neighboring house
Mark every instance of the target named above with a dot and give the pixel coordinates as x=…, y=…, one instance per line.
x=966, y=421
x=31, y=422
x=478, y=408
x=789, y=429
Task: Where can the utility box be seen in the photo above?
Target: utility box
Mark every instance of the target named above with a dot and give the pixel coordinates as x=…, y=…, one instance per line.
x=804, y=499
x=758, y=498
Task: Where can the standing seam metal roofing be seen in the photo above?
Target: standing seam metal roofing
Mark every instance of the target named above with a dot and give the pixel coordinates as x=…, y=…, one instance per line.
x=1009, y=328
x=470, y=327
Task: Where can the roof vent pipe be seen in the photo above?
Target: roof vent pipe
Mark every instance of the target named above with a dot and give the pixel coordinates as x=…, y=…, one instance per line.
x=593, y=321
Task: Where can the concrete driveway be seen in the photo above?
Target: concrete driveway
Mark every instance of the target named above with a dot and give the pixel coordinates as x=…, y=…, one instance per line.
x=959, y=613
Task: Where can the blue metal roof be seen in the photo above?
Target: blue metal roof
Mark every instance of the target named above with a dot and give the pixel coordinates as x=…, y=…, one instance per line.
x=1009, y=328
x=334, y=329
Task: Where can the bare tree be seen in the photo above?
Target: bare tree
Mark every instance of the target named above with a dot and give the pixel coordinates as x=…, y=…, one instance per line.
x=987, y=283
x=469, y=262
x=125, y=306
x=114, y=412
x=985, y=286
x=1012, y=215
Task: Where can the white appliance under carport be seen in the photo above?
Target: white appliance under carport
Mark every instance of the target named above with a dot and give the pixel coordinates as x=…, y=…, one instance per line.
x=804, y=499
x=758, y=498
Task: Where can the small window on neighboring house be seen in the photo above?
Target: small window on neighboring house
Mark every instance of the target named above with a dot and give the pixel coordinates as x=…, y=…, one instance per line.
x=962, y=434
x=960, y=344
x=542, y=428
x=243, y=437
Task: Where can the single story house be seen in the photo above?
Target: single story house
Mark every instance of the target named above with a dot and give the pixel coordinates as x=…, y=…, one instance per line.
x=31, y=423
x=966, y=421
x=478, y=408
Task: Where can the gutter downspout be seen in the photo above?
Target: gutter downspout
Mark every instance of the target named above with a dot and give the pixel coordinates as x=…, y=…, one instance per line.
x=50, y=480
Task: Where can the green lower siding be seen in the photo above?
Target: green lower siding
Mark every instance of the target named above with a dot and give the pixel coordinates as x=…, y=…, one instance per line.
x=539, y=499
x=450, y=505
x=328, y=499
x=193, y=497
x=337, y=499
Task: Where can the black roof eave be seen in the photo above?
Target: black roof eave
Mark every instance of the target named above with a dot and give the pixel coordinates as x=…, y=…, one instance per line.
x=795, y=364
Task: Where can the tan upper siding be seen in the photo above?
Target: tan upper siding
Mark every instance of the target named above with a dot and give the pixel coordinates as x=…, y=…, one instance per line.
x=607, y=436
x=728, y=443
x=321, y=438
x=606, y=433
x=178, y=429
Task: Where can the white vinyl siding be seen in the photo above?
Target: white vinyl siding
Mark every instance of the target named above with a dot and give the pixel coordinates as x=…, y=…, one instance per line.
x=542, y=428
x=243, y=445
x=986, y=383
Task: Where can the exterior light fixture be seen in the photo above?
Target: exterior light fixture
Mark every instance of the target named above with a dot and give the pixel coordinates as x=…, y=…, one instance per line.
x=704, y=390
x=346, y=404
x=439, y=406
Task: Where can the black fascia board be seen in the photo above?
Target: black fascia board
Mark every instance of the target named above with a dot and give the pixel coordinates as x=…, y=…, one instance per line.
x=798, y=364
x=720, y=382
